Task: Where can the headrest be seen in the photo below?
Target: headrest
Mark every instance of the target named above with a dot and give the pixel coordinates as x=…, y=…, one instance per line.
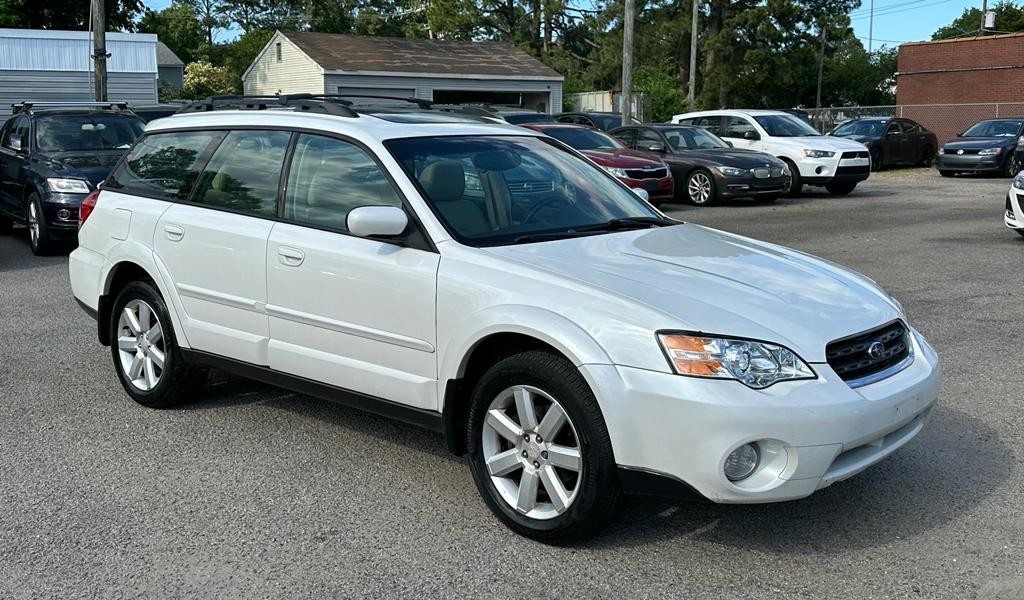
x=444, y=181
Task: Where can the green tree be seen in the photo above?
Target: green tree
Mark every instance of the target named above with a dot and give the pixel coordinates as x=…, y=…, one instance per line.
x=240, y=53
x=1009, y=18
x=178, y=26
x=66, y=14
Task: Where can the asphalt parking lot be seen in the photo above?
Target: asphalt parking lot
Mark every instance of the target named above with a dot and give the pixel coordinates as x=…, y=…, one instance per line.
x=255, y=492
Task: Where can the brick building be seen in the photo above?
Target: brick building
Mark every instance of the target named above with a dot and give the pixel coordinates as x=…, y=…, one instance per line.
x=969, y=78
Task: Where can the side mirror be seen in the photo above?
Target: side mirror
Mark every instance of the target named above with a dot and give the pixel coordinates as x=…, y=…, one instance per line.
x=642, y=193
x=14, y=142
x=652, y=146
x=751, y=135
x=369, y=221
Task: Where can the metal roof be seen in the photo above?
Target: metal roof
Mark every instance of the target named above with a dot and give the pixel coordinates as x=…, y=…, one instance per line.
x=165, y=57
x=53, y=50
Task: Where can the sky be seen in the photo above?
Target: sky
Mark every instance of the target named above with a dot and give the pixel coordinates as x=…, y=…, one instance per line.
x=895, y=21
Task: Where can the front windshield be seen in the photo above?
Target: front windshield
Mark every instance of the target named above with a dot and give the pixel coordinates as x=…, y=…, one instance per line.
x=865, y=128
x=582, y=138
x=692, y=138
x=491, y=190
x=86, y=132
x=1001, y=128
x=785, y=126
x=521, y=118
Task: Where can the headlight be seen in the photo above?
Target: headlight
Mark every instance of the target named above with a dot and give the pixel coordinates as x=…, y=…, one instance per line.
x=754, y=364
x=615, y=171
x=732, y=171
x=1018, y=181
x=67, y=186
x=818, y=153
x=942, y=150
x=990, y=151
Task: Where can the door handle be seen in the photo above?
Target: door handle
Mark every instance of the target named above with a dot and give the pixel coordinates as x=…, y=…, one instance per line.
x=174, y=233
x=290, y=257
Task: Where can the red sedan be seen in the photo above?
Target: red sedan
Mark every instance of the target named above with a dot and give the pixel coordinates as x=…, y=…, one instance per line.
x=632, y=168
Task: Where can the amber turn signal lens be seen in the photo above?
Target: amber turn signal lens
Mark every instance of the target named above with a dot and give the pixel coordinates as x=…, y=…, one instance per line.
x=691, y=355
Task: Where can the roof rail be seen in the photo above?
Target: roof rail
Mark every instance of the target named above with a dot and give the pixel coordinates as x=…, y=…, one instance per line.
x=419, y=102
x=300, y=102
x=27, y=106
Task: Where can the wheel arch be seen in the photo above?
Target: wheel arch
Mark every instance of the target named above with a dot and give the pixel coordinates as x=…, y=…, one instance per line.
x=129, y=263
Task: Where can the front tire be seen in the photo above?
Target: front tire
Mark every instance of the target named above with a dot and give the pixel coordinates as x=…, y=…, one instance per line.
x=1013, y=165
x=539, y=449
x=145, y=351
x=38, y=233
x=796, y=183
x=840, y=189
x=701, y=189
x=876, y=160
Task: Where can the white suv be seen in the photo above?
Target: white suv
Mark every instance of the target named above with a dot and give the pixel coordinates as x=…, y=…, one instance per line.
x=493, y=284
x=837, y=164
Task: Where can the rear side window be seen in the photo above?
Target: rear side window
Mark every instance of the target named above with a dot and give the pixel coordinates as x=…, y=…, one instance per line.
x=244, y=172
x=163, y=165
x=328, y=178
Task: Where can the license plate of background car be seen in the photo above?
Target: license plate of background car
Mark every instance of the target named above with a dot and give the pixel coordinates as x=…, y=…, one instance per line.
x=853, y=162
x=650, y=185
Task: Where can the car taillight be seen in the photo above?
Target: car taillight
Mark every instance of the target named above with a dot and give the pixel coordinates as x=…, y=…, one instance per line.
x=85, y=209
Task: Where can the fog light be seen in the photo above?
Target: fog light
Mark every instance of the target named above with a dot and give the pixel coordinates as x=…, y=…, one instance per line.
x=64, y=214
x=741, y=463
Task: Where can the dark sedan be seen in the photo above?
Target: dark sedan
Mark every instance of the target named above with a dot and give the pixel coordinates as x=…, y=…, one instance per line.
x=605, y=121
x=891, y=141
x=987, y=146
x=707, y=169
x=50, y=159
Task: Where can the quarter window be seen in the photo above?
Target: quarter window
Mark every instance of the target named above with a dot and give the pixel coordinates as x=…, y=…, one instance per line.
x=165, y=165
x=243, y=174
x=328, y=178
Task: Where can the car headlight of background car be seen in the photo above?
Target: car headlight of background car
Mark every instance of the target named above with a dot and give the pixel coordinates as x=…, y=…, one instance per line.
x=67, y=186
x=615, y=171
x=754, y=364
x=809, y=153
x=942, y=150
x=990, y=151
x=732, y=171
x=1018, y=181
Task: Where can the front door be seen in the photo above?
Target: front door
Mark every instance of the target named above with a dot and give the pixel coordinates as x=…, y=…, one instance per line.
x=214, y=246
x=13, y=148
x=351, y=312
x=893, y=144
x=741, y=133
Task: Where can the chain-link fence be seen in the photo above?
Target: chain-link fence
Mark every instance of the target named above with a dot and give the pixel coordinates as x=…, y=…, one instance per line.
x=946, y=120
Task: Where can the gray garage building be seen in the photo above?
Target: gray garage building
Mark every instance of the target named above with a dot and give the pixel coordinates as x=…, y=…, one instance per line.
x=51, y=65
x=444, y=71
x=170, y=68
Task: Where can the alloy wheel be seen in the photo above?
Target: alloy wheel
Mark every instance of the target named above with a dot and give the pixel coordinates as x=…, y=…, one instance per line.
x=532, y=452
x=140, y=344
x=33, y=224
x=699, y=188
x=1013, y=166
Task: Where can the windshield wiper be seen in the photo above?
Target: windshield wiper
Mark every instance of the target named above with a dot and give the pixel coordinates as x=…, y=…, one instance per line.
x=627, y=223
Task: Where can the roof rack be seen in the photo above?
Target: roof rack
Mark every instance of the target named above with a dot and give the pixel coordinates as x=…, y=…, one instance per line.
x=300, y=102
x=26, y=107
x=419, y=102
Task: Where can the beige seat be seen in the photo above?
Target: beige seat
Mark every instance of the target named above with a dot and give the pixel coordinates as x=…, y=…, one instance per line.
x=445, y=184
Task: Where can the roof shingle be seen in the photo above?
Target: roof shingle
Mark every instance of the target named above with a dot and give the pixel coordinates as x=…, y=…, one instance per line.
x=165, y=57
x=344, y=52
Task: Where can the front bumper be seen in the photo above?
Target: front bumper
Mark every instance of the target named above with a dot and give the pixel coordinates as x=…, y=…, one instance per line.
x=969, y=162
x=658, y=190
x=1014, y=215
x=836, y=169
x=61, y=214
x=811, y=433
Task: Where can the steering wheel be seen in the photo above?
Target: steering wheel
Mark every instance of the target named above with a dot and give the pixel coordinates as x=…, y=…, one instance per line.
x=544, y=202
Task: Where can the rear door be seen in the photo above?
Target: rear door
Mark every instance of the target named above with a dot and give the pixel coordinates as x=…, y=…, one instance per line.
x=214, y=245
x=351, y=312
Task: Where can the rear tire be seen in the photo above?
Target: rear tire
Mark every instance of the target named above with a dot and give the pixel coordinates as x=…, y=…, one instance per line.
x=145, y=351
x=565, y=485
x=840, y=189
x=876, y=160
x=1013, y=165
x=38, y=233
x=946, y=172
x=796, y=183
x=927, y=156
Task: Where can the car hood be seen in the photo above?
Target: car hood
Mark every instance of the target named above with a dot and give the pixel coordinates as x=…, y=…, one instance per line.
x=729, y=157
x=823, y=142
x=621, y=158
x=979, y=142
x=93, y=165
x=864, y=139
x=714, y=282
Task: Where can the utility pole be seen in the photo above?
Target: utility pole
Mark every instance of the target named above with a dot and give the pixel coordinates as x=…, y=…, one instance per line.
x=871, y=28
x=627, y=64
x=984, y=12
x=99, y=49
x=821, y=62
x=691, y=96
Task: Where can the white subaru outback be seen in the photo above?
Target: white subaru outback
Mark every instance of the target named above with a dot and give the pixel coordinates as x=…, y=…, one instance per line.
x=491, y=283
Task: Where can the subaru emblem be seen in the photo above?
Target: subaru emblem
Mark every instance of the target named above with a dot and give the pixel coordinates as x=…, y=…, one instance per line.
x=876, y=350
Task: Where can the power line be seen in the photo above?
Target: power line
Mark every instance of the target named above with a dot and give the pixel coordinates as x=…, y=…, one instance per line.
x=892, y=12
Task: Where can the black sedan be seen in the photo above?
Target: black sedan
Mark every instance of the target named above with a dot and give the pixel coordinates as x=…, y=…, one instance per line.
x=50, y=159
x=987, y=146
x=704, y=167
x=891, y=141
x=605, y=121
